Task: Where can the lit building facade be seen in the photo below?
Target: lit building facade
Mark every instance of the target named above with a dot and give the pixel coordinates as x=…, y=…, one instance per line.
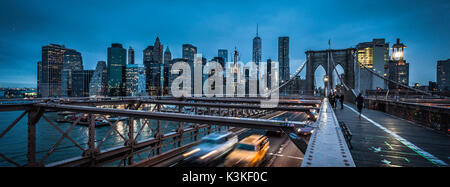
x=443, y=75
x=134, y=74
x=373, y=55
x=50, y=71
x=72, y=61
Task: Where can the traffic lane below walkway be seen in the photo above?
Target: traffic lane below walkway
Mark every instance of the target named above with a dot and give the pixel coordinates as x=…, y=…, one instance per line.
x=279, y=143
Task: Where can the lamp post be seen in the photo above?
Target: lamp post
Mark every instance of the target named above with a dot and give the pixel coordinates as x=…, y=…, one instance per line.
x=325, y=80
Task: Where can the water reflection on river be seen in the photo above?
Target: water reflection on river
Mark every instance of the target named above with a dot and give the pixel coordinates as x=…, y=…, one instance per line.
x=14, y=143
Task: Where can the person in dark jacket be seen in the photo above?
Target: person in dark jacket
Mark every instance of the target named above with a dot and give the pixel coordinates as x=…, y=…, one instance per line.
x=332, y=99
x=359, y=103
x=341, y=100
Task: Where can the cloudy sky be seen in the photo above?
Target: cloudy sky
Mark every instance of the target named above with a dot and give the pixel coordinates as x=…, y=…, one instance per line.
x=91, y=26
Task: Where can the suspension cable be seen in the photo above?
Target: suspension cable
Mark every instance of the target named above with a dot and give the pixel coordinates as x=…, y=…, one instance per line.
x=292, y=76
x=337, y=73
x=397, y=83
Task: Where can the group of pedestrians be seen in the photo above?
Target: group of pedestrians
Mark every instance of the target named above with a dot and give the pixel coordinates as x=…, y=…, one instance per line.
x=333, y=97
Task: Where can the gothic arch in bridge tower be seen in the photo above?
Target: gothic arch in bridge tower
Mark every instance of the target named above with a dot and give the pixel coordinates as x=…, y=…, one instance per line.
x=340, y=71
x=318, y=76
x=343, y=57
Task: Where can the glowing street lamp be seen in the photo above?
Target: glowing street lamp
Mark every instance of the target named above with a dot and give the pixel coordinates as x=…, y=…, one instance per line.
x=398, y=50
x=325, y=80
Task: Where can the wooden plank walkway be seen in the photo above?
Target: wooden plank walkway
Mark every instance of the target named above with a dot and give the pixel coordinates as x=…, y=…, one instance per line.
x=380, y=139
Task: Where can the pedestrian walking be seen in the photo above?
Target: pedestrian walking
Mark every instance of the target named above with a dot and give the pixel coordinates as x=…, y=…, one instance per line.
x=341, y=100
x=359, y=103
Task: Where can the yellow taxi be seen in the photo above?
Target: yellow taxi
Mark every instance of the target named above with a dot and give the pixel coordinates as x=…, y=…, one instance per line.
x=250, y=152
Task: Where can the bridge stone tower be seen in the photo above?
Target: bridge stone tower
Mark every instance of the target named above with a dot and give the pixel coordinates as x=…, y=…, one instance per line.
x=344, y=57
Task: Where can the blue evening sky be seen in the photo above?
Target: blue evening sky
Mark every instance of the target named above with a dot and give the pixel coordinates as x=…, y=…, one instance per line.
x=91, y=26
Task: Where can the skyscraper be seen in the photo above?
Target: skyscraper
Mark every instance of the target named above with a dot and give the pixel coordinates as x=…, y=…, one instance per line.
x=269, y=73
x=141, y=82
x=130, y=55
x=235, y=56
x=167, y=66
x=116, y=70
x=256, y=48
x=148, y=53
x=51, y=70
x=153, y=59
x=283, y=58
x=72, y=61
x=224, y=54
x=132, y=79
x=98, y=84
x=443, y=75
x=189, y=51
x=80, y=82
x=257, y=56
x=158, y=51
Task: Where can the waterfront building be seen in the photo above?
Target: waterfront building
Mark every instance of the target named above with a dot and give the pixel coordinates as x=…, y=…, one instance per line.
x=72, y=61
x=50, y=71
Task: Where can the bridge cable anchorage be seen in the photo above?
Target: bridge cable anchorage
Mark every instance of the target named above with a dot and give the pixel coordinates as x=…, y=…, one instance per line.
x=395, y=82
x=297, y=72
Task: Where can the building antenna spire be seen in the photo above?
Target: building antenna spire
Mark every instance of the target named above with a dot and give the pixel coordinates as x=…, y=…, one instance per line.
x=256, y=30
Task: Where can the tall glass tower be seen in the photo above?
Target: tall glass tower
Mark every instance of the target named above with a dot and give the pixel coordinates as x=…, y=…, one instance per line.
x=117, y=61
x=256, y=48
x=283, y=58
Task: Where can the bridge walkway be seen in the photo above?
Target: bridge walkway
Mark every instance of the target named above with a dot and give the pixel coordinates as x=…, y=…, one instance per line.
x=380, y=139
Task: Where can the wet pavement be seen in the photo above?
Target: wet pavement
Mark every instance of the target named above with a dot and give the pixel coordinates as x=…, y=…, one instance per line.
x=382, y=140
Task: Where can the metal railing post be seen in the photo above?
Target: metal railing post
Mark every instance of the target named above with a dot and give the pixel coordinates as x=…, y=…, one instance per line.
x=131, y=142
x=158, y=136
x=91, y=141
x=33, y=117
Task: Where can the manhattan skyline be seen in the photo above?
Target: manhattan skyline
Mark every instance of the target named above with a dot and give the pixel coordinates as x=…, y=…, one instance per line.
x=91, y=27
